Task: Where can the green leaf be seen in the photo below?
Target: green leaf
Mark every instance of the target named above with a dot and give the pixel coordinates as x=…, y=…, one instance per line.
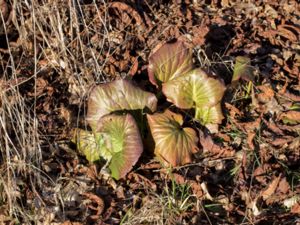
x=196, y=90
x=173, y=144
x=122, y=140
x=242, y=69
x=88, y=144
x=169, y=61
x=209, y=115
x=115, y=96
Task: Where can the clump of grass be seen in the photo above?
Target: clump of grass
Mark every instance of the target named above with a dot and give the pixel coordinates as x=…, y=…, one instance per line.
x=165, y=208
x=19, y=145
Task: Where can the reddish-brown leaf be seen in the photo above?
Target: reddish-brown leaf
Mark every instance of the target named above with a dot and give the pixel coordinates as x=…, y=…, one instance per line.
x=96, y=200
x=139, y=181
x=285, y=31
x=290, y=117
x=282, y=141
x=250, y=138
x=283, y=186
x=123, y=7
x=71, y=223
x=296, y=208
x=134, y=67
x=260, y=173
x=210, y=147
x=266, y=93
x=271, y=188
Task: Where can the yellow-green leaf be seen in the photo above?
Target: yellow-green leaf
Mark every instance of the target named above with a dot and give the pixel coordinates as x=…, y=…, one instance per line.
x=88, y=144
x=122, y=140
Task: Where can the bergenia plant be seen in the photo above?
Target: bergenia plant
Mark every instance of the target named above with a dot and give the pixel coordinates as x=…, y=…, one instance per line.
x=115, y=135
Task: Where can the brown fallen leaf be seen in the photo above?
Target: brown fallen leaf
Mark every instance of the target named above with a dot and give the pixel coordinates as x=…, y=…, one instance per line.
x=150, y=166
x=199, y=34
x=296, y=208
x=267, y=106
x=290, y=117
x=266, y=94
x=134, y=67
x=260, y=173
x=250, y=138
x=271, y=188
x=225, y=3
x=71, y=223
x=233, y=110
x=284, y=30
x=250, y=129
x=293, y=72
x=120, y=192
x=4, y=11
x=141, y=181
x=179, y=179
x=290, y=128
x=110, y=210
x=273, y=127
x=279, y=142
x=270, y=11
x=223, y=136
x=210, y=147
x=96, y=200
x=124, y=8
x=208, y=144
x=283, y=186
x=291, y=96
x=295, y=144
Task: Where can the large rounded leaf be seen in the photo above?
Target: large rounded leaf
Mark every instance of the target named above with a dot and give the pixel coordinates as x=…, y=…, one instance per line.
x=169, y=61
x=194, y=89
x=117, y=95
x=122, y=139
x=173, y=144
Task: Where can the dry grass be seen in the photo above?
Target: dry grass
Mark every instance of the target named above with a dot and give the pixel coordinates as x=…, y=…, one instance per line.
x=53, y=35
x=20, y=148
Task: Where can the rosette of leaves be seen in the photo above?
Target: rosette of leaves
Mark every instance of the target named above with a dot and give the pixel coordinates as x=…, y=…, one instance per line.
x=184, y=86
x=114, y=137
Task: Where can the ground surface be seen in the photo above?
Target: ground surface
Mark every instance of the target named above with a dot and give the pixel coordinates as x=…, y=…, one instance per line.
x=53, y=52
